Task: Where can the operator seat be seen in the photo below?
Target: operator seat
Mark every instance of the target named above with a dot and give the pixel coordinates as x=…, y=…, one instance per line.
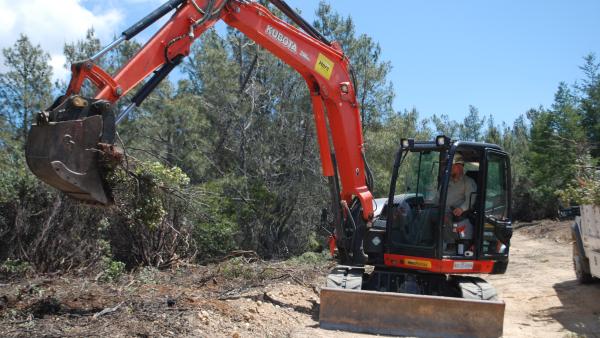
x=474, y=175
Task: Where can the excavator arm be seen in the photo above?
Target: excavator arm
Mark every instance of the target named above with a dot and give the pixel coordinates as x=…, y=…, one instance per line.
x=71, y=141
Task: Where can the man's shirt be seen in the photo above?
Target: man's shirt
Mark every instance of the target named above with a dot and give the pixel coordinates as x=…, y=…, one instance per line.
x=459, y=193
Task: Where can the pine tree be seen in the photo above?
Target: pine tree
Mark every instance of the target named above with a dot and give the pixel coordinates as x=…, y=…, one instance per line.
x=492, y=134
x=555, y=152
x=25, y=87
x=472, y=126
x=589, y=90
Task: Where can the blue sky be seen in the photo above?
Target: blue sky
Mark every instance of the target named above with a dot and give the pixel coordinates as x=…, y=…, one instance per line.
x=503, y=57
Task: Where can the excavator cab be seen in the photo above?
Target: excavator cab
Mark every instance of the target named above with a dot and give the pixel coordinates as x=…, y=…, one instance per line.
x=420, y=221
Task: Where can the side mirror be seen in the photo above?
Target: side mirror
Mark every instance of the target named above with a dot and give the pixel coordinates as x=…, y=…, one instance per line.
x=502, y=229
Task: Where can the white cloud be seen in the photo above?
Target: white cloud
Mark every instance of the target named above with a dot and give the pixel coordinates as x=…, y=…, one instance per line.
x=58, y=70
x=54, y=23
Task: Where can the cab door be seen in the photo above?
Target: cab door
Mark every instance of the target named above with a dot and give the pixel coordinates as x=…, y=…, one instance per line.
x=496, y=214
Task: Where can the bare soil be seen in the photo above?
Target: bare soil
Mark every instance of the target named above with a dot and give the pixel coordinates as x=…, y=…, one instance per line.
x=249, y=298
x=542, y=296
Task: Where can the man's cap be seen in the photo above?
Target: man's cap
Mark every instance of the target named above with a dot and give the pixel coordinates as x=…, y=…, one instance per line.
x=458, y=159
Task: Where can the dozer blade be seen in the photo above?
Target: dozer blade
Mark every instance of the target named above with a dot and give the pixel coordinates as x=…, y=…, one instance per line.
x=409, y=315
x=70, y=144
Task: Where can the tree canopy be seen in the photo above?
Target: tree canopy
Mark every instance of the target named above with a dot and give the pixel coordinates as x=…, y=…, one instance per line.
x=229, y=152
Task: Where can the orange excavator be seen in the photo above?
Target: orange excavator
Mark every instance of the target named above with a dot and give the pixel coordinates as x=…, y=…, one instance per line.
x=402, y=259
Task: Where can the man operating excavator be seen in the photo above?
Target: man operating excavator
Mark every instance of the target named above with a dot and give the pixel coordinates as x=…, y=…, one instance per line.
x=459, y=201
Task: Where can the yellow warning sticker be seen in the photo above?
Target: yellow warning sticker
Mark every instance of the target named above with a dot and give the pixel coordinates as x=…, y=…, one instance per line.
x=324, y=66
x=417, y=263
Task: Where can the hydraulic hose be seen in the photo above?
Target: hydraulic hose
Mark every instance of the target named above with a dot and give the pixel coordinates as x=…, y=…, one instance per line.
x=369, y=174
x=151, y=18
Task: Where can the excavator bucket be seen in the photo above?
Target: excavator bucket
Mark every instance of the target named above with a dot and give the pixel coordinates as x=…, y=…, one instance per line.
x=403, y=314
x=69, y=146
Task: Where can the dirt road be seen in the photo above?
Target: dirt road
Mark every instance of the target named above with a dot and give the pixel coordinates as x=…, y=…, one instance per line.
x=543, y=298
x=249, y=298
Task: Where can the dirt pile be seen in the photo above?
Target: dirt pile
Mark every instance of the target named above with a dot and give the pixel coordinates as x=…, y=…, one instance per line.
x=559, y=231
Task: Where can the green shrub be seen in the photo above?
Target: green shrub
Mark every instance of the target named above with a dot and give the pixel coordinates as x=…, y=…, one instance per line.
x=148, y=275
x=15, y=267
x=215, y=238
x=582, y=191
x=310, y=258
x=142, y=192
x=215, y=225
x=238, y=267
x=113, y=270
x=314, y=243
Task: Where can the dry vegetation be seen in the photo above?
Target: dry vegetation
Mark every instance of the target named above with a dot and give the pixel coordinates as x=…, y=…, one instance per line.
x=239, y=296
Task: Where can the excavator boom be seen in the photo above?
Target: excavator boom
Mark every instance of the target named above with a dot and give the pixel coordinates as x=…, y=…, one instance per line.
x=322, y=64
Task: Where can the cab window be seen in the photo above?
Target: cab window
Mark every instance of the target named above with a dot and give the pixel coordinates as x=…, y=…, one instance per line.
x=496, y=192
